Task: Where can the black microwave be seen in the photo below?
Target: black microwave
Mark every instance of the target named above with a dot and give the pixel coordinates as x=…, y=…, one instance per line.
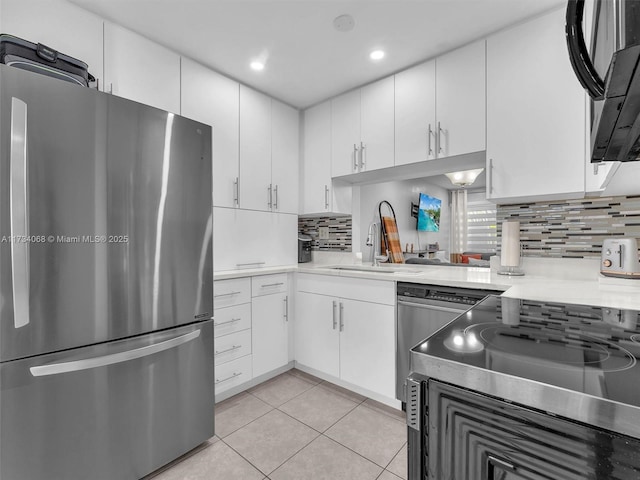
x=609, y=70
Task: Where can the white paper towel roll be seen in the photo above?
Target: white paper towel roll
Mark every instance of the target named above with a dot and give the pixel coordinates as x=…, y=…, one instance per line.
x=510, y=254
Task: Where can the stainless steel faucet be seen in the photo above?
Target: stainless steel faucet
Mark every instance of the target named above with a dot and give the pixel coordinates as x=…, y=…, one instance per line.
x=373, y=241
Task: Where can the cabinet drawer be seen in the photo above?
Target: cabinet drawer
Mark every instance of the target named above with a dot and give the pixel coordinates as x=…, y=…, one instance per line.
x=231, y=292
x=363, y=289
x=232, y=346
x=232, y=373
x=232, y=319
x=268, y=284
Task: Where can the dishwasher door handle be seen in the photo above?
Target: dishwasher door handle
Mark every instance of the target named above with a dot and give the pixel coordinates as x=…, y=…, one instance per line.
x=433, y=307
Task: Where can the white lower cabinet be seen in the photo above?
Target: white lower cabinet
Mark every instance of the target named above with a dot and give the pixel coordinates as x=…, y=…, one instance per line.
x=367, y=348
x=270, y=305
x=316, y=340
x=232, y=346
x=232, y=374
x=270, y=332
x=251, y=328
x=232, y=332
x=350, y=336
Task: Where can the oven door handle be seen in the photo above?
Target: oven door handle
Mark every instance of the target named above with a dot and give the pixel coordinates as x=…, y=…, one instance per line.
x=431, y=307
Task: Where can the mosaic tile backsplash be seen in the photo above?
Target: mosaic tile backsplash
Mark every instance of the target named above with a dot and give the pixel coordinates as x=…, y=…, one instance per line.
x=339, y=232
x=572, y=228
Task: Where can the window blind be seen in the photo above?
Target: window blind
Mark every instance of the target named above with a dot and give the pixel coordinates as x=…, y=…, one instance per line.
x=481, y=227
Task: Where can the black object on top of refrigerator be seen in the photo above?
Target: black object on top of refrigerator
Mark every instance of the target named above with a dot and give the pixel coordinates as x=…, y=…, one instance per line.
x=106, y=283
x=608, y=70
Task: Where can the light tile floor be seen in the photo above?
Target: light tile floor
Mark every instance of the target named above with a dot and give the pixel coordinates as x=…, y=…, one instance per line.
x=296, y=427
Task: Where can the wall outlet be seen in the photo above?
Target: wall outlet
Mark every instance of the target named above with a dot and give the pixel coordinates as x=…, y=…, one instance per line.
x=323, y=233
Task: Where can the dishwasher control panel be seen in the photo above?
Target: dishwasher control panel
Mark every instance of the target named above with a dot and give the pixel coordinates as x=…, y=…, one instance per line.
x=465, y=296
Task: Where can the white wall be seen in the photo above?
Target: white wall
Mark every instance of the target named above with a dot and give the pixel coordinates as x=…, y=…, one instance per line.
x=400, y=194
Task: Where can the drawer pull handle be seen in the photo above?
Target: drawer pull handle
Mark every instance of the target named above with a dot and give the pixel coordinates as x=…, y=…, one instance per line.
x=234, y=347
x=227, y=294
x=250, y=263
x=228, y=378
x=227, y=322
x=272, y=285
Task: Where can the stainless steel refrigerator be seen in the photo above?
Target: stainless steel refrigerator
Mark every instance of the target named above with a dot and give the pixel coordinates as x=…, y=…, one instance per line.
x=106, y=283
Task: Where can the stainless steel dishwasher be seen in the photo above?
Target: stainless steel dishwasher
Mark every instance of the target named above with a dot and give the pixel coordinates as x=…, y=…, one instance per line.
x=422, y=310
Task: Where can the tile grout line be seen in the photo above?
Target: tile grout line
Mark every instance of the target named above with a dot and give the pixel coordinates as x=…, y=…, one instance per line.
x=357, y=404
x=245, y=459
x=395, y=455
x=257, y=418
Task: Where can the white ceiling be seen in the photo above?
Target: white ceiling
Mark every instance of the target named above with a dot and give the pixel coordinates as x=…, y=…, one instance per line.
x=307, y=60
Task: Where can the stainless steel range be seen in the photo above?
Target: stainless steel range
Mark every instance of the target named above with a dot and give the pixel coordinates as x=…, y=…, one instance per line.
x=518, y=389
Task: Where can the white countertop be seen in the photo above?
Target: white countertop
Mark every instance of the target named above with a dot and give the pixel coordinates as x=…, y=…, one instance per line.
x=550, y=280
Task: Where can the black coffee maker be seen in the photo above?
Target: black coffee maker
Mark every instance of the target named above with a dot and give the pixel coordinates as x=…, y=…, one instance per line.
x=304, y=249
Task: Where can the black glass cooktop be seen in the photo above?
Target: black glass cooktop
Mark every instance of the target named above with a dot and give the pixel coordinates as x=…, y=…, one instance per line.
x=588, y=349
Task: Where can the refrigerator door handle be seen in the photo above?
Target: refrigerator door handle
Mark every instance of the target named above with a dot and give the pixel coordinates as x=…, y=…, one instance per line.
x=18, y=207
x=104, y=360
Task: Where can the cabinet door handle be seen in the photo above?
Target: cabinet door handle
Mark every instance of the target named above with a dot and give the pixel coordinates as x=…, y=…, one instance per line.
x=362, y=156
x=355, y=157
x=286, y=309
x=335, y=317
x=250, y=263
x=439, y=138
x=271, y=285
x=226, y=294
x=490, y=176
x=275, y=194
x=234, y=375
x=341, y=316
x=233, y=320
x=236, y=192
x=226, y=350
x=429, y=134
x=270, y=194
x=326, y=197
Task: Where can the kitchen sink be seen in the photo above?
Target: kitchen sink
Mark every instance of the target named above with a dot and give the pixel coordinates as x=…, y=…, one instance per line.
x=390, y=269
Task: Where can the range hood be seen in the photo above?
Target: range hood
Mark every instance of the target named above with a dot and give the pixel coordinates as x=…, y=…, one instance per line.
x=615, y=45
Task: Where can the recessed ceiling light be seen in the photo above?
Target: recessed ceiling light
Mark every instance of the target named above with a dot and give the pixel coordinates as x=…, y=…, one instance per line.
x=257, y=66
x=376, y=55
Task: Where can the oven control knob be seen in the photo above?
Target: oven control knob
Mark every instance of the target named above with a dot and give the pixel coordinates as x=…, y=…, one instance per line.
x=607, y=263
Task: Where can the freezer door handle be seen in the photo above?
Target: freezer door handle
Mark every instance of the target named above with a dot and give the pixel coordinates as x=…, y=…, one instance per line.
x=18, y=207
x=104, y=360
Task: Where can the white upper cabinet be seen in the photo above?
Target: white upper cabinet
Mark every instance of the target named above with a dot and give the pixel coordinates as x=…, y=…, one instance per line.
x=319, y=194
x=211, y=98
x=255, y=150
x=362, y=129
x=535, y=114
x=345, y=134
x=269, y=151
x=415, y=114
x=461, y=100
x=316, y=166
x=376, y=125
x=140, y=70
x=59, y=25
x=285, y=153
x=252, y=239
x=440, y=106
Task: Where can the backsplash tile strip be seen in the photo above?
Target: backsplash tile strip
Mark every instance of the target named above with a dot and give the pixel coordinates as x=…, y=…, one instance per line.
x=340, y=232
x=571, y=228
